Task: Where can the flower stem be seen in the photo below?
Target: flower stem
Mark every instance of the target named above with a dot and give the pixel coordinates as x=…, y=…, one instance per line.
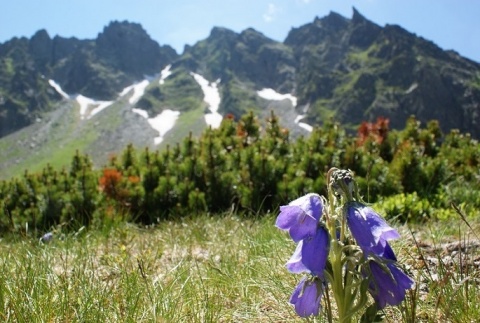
x=340, y=285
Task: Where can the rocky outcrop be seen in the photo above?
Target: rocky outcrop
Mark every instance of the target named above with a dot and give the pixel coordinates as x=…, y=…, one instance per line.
x=354, y=70
x=127, y=47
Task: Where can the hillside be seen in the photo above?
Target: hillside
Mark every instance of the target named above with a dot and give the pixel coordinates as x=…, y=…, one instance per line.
x=61, y=94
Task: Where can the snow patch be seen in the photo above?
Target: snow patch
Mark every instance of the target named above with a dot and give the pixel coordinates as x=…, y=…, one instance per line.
x=138, y=91
x=271, y=94
x=412, y=88
x=138, y=88
x=304, y=125
x=161, y=123
x=101, y=105
x=212, y=98
x=86, y=103
x=141, y=112
x=164, y=74
x=58, y=88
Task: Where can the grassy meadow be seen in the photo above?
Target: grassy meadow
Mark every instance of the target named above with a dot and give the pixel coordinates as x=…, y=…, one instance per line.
x=223, y=268
x=150, y=238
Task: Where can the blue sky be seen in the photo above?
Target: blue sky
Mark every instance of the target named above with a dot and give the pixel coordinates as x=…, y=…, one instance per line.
x=451, y=24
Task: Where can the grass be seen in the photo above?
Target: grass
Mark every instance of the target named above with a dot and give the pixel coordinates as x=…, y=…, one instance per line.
x=192, y=121
x=61, y=134
x=202, y=270
x=445, y=259
x=212, y=269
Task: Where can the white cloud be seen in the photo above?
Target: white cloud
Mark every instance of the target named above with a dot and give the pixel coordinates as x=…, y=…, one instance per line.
x=271, y=12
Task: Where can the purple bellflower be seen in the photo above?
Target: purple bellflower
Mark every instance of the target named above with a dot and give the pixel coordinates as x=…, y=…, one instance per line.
x=306, y=297
x=370, y=230
x=311, y=254
x=300, y=217
x=388, y=287
x=324, y=258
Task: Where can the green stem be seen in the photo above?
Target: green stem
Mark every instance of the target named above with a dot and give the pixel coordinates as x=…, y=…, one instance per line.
x=341, y=292
x=338, y=288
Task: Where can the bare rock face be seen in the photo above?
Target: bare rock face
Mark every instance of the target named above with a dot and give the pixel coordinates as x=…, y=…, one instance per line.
x=128, y=48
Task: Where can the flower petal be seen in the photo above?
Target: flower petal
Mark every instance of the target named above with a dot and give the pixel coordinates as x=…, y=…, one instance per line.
x=388, y=252
x=306, y=297
x=287, y=217
x=311, y=204
x=315, y=252
x=369, y=229
x=295, y=264
x=301, y=216
x=388, y=287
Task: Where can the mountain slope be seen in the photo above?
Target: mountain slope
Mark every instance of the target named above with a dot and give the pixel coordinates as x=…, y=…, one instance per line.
x=121, y=54
x=98, y=95
x=355, y=70
x=349, y=70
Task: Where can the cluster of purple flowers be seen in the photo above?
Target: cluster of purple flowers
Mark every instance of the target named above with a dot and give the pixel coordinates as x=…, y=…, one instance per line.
x=302, y=218
x=388, y=283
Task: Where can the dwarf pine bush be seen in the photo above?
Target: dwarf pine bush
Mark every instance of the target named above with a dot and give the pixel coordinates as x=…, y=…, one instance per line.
x=249, y=166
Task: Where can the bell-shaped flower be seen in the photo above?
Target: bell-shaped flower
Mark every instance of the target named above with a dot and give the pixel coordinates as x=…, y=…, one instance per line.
x=311, y=254
x=306, y=297
x=370, y=230
x=295, y=264
x=300, y=217
x=388, y=285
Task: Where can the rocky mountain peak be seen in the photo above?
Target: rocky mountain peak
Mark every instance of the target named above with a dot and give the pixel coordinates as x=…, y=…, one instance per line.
x=363, y=32
x=210, y=56
x=121, y=33
x=128, y=47
x=333, y=21
x=253, y=39
x=220, y=38
x=218, y=31
x=40, y=46
x=329, y=29
x=357, y=17
x=40, y=36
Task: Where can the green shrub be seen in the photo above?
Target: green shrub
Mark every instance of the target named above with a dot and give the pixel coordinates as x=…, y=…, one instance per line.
x=406, y=207
x=253, y=167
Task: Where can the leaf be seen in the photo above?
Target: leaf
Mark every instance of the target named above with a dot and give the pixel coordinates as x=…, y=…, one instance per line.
x=371, y=315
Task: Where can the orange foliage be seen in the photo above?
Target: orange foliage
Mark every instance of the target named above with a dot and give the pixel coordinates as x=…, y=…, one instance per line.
x=377, y=131
x=229, y=116
x=241, y=130
x=134, y=179
x=109, y=181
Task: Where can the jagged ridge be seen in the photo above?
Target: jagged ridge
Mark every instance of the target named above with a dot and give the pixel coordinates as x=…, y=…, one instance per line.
x=334, y=67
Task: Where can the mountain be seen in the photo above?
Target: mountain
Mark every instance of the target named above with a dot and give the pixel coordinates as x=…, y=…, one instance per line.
x=59, y=94
x=100, y=68
x=354, y=70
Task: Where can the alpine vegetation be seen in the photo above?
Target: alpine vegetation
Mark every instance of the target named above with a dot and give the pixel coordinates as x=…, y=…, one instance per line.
x=343, y=247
